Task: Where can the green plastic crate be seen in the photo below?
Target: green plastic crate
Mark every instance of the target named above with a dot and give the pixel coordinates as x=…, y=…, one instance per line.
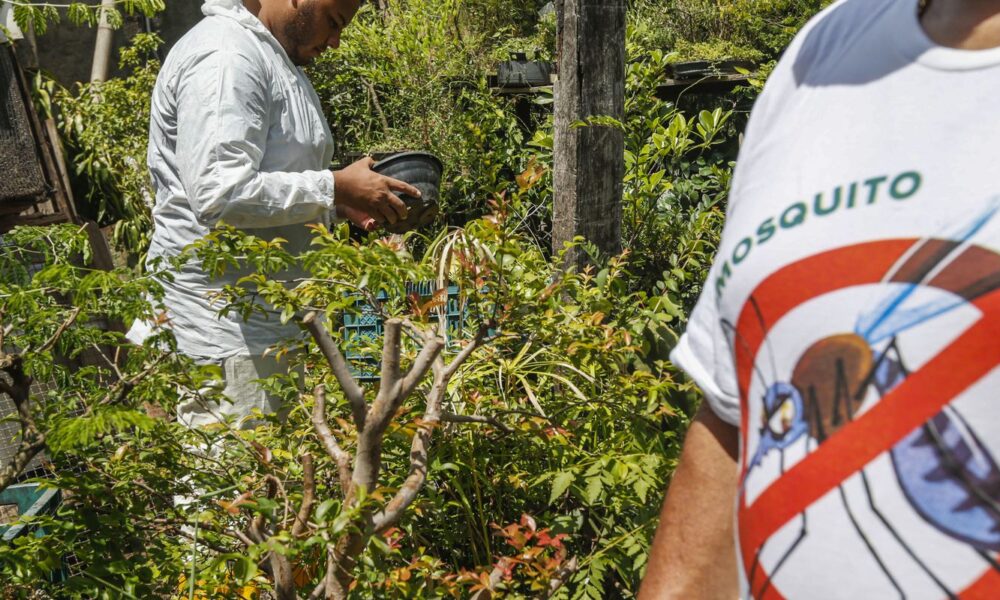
x=366, y=325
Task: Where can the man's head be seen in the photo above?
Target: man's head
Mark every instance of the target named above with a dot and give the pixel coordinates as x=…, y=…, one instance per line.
x=305, y=28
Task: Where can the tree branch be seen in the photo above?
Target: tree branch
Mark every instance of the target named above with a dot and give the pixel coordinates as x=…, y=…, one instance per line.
x=453, y=418
x=390, y=358
x=333, y=449
x=73, y=314
x=466, y=352
x=5, y=330
x=308, y=496
x=126, y=386
x=407, y=493
x=338, y=364
x=419, y=454
x=394, y=391
x=559, y=578
x=430, y=357
x=32, y=440
x=421, y=365
x=375, y=102
x=496, y=576
x=26, y=452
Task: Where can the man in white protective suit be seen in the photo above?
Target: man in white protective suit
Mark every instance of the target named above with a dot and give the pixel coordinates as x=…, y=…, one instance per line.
x=237, y=135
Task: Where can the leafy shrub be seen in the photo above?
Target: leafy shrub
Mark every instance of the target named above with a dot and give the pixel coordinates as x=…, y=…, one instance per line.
x=415, y=77
x=106, y=128
x=709, y=29
x=87, y=401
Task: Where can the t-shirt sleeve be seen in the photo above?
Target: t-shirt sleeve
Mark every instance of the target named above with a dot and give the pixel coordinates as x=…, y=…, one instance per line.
x=703, y=353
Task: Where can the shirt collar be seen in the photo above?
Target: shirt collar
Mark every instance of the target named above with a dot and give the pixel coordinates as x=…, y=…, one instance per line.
x=234, y=9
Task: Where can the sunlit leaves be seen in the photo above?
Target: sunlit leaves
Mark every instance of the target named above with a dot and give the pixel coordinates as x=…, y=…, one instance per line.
x=105, y=125
x=39, y=15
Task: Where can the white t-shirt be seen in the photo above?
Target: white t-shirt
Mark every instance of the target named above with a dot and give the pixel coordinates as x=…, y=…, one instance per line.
x=850, y=326
x=237, y=134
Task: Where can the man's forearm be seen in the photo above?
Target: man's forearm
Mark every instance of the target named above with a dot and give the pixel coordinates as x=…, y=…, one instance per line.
x=693, y=554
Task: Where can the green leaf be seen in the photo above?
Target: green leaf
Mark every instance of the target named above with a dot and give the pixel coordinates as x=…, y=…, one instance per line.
x=655, y=178
x=324, y=508
x=560, y=483
x=594, y=488
x=244, y=569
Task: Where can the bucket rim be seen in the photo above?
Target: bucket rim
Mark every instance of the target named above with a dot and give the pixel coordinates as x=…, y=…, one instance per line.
x=410, y=154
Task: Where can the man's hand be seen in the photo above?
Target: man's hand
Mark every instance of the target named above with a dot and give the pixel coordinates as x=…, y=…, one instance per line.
x=359, y=192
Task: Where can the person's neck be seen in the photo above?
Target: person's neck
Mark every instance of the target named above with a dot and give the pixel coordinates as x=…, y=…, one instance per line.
x=256, y=8
x=253, y=6
x=963, y=24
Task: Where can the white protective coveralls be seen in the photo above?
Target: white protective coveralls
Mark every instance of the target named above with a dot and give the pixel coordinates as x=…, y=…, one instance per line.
x=237, y=134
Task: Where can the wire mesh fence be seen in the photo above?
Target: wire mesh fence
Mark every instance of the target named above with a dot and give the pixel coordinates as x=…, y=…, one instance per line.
x=10, y=429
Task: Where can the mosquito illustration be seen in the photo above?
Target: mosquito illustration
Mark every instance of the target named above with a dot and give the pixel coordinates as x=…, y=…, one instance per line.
x=943, y=469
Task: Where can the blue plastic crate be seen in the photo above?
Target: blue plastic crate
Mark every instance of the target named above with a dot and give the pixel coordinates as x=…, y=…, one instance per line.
x=31, y=500
x=366, y=324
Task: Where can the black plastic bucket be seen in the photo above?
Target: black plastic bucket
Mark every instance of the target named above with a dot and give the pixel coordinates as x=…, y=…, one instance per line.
x=423, y=171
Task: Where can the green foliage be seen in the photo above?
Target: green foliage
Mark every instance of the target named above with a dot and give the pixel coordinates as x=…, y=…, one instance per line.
x=575, y=416
x=722, y=29
x=33, y=15
x=414, y=77
x=677, y=172
x=89, y=398
x=107, y=137
x=587, y=438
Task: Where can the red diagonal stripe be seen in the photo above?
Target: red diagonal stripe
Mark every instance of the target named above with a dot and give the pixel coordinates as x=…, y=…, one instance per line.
x=800, y=282
x=921, y=395
x=771, y=593
x=986, y=587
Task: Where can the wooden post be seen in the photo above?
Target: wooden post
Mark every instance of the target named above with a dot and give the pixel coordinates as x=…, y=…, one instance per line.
x=589, y=161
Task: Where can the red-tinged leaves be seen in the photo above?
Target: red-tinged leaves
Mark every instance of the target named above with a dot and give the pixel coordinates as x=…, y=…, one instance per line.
x=393, y=537
x=545, y=540
x=422, y=310
x=531, y=175
x=233, y=507
x=264, y=454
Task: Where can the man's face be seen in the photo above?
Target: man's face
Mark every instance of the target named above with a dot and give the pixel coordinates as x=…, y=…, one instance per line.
x=315, y=25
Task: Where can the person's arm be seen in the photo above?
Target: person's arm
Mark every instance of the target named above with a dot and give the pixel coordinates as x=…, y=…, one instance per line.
x=223, y=117
x=693, y=556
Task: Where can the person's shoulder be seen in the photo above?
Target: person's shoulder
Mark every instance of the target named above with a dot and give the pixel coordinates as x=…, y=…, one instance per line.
x=213, y=35
x=835, y=29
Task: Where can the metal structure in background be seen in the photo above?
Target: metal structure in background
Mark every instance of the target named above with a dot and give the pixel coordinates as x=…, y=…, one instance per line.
x=524, y=80
x=10, y=430
x=35, y=187
x=705, y=77
x=23, y=181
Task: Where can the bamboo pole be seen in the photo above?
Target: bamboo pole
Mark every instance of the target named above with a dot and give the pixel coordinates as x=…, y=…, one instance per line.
x=102, y=48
